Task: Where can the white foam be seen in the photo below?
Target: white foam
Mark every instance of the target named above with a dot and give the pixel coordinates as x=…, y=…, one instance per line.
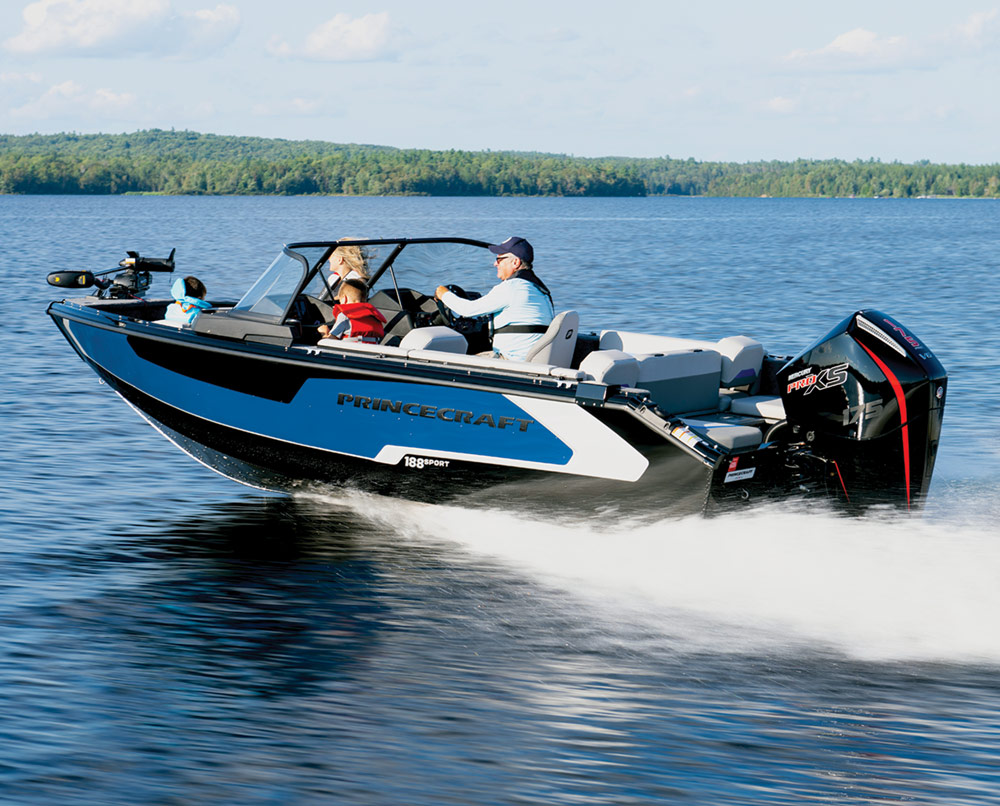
x=873, y=588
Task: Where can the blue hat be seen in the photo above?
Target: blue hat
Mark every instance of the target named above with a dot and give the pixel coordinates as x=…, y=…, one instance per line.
x=515, y=246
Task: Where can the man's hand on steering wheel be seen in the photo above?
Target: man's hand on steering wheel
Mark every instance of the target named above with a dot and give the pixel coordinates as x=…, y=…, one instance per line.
x=451, y=319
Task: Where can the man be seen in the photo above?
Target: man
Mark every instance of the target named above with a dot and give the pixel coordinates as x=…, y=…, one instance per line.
x=521, y=305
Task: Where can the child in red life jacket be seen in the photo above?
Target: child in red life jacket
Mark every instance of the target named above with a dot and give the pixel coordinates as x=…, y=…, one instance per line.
x=357, y=320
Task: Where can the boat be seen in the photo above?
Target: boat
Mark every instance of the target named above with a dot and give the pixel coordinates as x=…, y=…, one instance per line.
x=605, y=419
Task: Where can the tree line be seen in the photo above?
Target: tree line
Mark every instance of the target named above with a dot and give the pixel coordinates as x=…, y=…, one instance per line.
x=191, y=163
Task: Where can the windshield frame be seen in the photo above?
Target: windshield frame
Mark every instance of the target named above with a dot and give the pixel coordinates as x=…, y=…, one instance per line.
x=387, y=264
x=308, y=272
x=249, y=312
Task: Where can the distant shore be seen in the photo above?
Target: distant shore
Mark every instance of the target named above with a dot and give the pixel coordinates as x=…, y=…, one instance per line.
x=189, y=163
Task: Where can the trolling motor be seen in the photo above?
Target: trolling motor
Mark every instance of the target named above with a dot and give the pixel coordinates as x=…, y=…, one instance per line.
x=133, y=282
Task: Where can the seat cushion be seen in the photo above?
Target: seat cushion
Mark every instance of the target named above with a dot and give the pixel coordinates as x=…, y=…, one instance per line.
x=729, y=436
x=612, y=367
x=741, y=360
x=630, y=342
x=443, y=339
x=766, y=406
x=682, y=380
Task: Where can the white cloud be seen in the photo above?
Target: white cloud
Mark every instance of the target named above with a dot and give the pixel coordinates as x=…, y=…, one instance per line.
x=781, y=105
x=981, y=28
x=859, y=49
x=343, y=39
x=123, y=28
x=860, y=42
x=69, y=98
x=205, y=31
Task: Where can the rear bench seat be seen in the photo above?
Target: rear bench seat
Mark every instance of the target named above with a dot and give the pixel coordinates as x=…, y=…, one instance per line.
x=682, y=375
x=678, y=381
x=741, y=356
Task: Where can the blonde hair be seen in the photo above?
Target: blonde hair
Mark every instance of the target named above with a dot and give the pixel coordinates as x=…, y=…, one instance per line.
x=355, y=258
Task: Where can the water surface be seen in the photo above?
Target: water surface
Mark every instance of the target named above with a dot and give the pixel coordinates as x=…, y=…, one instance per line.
x=171, y=637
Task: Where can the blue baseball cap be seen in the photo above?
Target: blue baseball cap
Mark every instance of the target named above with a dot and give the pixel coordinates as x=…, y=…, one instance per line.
x=515, y=246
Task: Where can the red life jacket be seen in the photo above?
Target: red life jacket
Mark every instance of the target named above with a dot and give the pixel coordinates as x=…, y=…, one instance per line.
x=366, y=320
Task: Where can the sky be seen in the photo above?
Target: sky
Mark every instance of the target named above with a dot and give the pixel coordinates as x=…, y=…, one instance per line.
x=717, y=80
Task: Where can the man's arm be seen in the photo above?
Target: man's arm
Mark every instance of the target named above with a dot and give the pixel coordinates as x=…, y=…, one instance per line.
x=496, y=300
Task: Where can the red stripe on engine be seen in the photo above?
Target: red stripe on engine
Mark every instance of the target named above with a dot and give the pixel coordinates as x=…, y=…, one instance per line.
x=842, y=485
x=897, y=389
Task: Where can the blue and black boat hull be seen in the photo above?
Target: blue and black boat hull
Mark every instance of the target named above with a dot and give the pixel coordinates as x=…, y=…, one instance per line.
x=282, y=420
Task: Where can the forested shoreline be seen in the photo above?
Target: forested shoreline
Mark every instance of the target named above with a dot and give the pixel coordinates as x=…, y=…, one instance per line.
x=190, y=163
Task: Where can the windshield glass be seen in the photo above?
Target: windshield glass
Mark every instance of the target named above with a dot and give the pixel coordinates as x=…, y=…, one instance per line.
x=421, y=267
x=425, y=266
x=366, y=260
x=270, y=295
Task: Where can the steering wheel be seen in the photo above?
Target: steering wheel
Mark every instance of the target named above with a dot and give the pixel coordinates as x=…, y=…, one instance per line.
x=311, y=311
x=451, y=319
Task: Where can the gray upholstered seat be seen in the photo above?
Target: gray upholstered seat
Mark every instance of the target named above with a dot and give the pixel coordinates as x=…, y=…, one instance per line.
x=443, y=339
x=558, y=342
x=678, y=381
x=769, y=407
x=741, y=355
x=682, y=380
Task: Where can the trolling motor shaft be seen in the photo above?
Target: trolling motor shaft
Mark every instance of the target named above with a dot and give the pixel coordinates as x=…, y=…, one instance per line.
x=134, y=281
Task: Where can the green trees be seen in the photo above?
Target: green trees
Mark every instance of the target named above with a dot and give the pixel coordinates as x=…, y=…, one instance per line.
x=157, y=161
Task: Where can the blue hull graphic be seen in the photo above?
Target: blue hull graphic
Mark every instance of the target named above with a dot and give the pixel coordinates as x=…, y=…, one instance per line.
x=351, y=416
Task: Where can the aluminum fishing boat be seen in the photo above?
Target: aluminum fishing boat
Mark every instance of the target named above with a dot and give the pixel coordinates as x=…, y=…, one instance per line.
x=595, y=418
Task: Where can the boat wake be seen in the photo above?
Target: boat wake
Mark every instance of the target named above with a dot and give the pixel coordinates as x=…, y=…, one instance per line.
x=874, y=588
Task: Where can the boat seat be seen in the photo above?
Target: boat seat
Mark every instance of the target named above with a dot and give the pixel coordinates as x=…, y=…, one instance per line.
x=558, y=342
x=727, y=431
x=629, y=342
x=742, y=356
x=682, y=380
x=171, y=323
x=613, y=367
x=442, y=339
x=678, y=381
x=767, y=406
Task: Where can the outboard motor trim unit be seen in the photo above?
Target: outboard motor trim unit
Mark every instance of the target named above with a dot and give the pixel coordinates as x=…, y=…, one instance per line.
x=868, y=398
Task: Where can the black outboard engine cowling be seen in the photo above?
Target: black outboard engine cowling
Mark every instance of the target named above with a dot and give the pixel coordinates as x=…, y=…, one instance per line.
x=868, y=399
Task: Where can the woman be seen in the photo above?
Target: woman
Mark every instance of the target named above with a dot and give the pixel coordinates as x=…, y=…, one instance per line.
x=348, y=263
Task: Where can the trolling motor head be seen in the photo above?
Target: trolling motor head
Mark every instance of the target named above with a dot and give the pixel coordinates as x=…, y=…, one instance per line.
x=869, y=399
x=133, y=281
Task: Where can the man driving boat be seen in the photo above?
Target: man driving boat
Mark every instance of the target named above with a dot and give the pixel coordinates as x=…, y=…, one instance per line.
x=520, y=303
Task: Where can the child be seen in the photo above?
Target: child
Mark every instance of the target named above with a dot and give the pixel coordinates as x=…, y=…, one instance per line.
x=189, y=300
x=357, y=320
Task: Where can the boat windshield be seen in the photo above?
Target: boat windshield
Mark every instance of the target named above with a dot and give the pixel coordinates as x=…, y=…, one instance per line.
x=418, y=266
x=425, y=266
x=270, y=296
x=367, y=258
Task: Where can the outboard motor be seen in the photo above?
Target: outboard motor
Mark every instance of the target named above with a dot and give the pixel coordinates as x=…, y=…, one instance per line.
x=868, y=399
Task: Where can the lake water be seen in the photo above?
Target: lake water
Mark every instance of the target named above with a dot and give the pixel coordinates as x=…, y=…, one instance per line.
x=170, y=637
